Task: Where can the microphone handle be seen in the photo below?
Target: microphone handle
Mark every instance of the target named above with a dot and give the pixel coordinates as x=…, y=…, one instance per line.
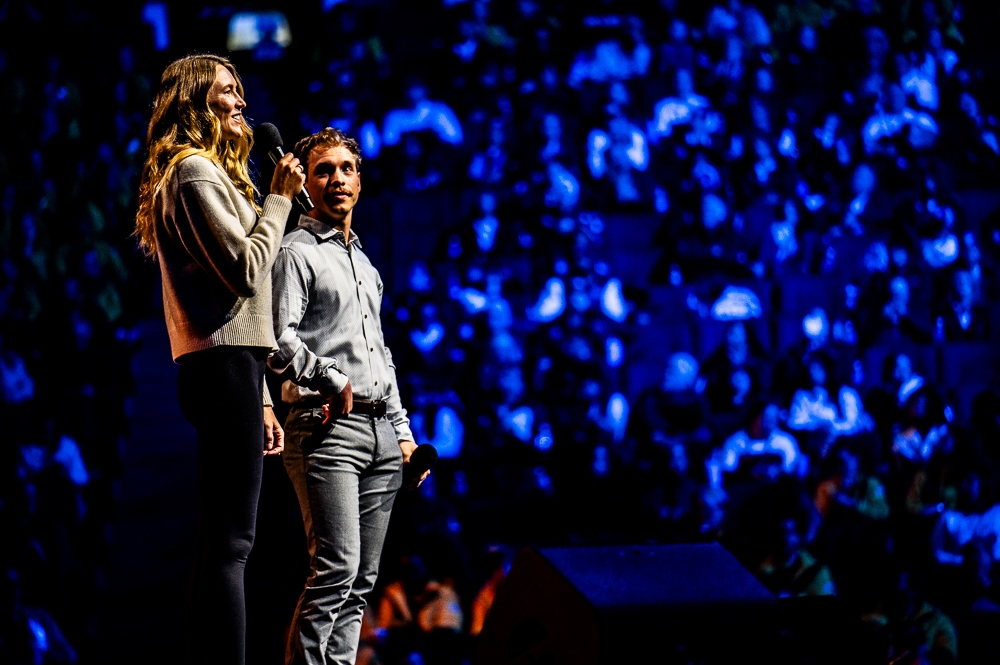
x=422, y=459
x=302, y=198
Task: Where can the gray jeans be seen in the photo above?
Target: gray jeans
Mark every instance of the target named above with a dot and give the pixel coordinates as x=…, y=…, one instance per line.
x=346, y=475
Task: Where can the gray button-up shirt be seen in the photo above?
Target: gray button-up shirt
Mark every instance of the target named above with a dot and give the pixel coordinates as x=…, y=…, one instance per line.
x=326, y=303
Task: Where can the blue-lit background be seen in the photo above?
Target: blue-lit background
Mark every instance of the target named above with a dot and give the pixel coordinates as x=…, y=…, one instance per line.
x=655, y=272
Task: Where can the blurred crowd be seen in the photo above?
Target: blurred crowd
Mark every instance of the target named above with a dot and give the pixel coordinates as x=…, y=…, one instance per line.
x=71, y=294
x=819, y=303
x=696, y=272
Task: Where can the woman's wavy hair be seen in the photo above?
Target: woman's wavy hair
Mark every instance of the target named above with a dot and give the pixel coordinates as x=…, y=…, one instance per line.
x=183, y=125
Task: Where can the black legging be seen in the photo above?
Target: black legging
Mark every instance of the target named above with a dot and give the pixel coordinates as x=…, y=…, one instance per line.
x=219, y=391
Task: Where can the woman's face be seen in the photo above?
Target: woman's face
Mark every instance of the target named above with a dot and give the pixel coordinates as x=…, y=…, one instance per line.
x=226, y=104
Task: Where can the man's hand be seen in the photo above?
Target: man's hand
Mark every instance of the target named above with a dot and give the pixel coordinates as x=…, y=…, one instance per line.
x=408, y=447
x=274, y=436
x=339, y=405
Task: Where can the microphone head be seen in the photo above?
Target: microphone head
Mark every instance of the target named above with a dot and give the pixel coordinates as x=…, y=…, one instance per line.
x=425, y=456
x=267, y=136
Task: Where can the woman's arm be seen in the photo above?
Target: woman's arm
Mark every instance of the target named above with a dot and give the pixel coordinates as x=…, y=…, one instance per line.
x=208, y=225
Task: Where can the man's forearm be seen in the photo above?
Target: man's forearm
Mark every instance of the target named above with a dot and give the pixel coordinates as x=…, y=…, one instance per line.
x=295, y=361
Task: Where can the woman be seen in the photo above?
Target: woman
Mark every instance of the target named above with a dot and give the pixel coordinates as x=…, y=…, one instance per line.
x=199, y=218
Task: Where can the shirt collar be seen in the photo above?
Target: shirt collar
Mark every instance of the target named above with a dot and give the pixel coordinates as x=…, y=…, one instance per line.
x=324, y=231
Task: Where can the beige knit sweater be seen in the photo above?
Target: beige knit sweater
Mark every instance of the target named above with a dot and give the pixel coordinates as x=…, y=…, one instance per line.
x=215, y=256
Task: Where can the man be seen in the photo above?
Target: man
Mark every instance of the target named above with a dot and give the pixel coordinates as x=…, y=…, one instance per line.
x=347, y=435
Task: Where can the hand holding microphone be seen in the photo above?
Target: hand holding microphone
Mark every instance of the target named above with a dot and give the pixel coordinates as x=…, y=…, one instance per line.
x=421, y=460
x=269, y=139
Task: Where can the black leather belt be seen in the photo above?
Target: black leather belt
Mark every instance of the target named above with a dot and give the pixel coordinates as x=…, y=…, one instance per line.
x=375, y=409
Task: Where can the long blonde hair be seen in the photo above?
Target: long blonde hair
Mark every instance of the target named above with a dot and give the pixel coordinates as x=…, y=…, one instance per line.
x=183, y=125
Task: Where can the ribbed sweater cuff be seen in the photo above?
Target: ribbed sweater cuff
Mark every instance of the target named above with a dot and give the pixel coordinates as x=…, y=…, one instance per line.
x=276, y=206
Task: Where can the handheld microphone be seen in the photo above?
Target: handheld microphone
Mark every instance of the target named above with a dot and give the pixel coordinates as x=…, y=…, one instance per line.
x=270, y=139
x=421, y=460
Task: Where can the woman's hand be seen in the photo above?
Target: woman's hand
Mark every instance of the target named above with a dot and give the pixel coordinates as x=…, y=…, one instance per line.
x=274, y=436
x=288, y=177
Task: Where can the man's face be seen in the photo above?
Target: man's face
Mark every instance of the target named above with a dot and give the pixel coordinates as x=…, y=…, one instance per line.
x=334, y=184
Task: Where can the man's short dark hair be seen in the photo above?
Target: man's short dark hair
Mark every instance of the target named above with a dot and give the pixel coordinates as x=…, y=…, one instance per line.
x=328, y=137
